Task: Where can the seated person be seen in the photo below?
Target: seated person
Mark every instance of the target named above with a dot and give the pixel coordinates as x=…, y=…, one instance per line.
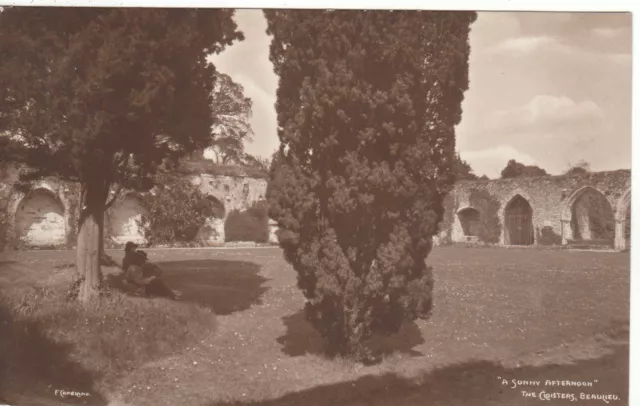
x=143, y=274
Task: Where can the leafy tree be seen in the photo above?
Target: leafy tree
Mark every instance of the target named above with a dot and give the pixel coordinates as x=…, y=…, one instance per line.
x=462, y=169
x=483, y=177
x=176, y=210
x=578, y=168
x=105, y=97
x=367, y=103
x=515, y=169
x=232, y=112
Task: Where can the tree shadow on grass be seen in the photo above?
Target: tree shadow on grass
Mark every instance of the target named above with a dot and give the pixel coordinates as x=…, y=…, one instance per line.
x=471, y=383
x=223, y=286
x=301, y=338
x=32, y=367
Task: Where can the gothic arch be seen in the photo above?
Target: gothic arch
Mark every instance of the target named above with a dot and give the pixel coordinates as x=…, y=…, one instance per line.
x=623, y=206
x=518, y=221
x=587, y=221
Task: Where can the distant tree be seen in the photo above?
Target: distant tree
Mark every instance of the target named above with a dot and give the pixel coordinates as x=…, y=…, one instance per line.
x=579, y=168
x=106, y=97
x=232, y=112
x=515, y=169
x=367, y=104
x=484, y=177
x=462, y=169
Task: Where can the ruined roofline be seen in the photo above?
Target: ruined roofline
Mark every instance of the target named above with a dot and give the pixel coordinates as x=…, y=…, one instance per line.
x=582, y=175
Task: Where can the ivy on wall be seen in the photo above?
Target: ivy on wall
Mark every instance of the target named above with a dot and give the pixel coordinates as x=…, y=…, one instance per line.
x=489, y=227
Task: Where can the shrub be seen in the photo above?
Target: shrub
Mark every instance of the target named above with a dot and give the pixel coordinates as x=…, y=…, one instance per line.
x=107, y=336
x=367, y=156
x=249, y=225
x=176, y=211
x=546, y=236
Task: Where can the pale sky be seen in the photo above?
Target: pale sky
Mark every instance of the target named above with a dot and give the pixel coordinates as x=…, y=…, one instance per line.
x=548, y=89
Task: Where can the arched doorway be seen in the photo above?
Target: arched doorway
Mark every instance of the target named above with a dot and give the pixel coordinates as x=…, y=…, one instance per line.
x=125, y=217
x=518, y=222
x=592, y=217
x=40, y=219
x=470, y=222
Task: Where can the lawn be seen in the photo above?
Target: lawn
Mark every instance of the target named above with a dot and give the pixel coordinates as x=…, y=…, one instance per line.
x=522, y=314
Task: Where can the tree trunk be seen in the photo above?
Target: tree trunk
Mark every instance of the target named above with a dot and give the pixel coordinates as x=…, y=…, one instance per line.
x=89, y=247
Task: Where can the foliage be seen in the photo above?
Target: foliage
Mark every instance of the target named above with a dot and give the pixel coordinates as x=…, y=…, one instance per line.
x=489, y=228
x=257, y=162
x=367, y=103
x=515, y=169
x=105, y=97
x=547, y=236
x=579, y=168
x=462, y=169
x=200, y=166
x=249, y=225
x=232, y=112
x=176, y=210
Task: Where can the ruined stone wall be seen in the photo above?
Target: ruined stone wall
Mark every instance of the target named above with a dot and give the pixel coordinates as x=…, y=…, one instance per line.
x=45, y=213
x=552, y=200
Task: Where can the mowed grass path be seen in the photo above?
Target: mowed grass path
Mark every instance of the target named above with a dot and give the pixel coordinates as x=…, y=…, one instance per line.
x=499, y=313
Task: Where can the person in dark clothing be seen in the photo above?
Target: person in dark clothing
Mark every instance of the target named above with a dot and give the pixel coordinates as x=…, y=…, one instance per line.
x=140, y=272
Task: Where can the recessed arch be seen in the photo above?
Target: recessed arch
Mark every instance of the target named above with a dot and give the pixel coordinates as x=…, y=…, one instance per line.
x=518, y=221
x=40, y=219
x=124, y=219
x=212, y=231
x=469, y=219
x=589, y=216
x=622, y=239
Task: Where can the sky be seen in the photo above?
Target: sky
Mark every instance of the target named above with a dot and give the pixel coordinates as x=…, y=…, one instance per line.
x=546, y=89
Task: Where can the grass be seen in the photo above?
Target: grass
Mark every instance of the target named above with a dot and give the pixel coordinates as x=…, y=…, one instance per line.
x=516, y=313
x=51, y=343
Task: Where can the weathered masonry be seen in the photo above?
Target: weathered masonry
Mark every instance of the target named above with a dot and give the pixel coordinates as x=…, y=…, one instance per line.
x=593, y=208
x=46, y=215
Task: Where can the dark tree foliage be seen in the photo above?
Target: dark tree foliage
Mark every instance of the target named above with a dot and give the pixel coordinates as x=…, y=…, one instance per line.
x=177, y=209
x=367, y=103
x=104, y=97
x=579, y=168
x=249, y=225
x=462, y=169
x=515, y=169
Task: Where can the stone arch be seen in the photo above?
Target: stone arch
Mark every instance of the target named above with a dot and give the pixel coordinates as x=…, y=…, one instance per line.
x=469, y=219
x=124, y=219
x=587, y=215
x=518, y=221
x=212, y=231
x=40, y=219
x=622, y=239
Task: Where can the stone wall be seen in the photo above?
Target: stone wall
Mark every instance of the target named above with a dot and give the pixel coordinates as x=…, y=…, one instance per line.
x=45, y=213
x=557, y=205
